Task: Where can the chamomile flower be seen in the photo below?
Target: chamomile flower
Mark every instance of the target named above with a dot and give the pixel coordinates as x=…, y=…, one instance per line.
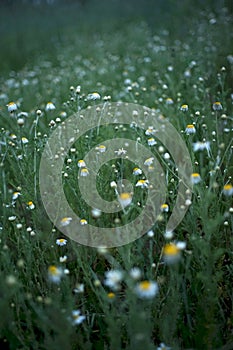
x=79, y=288
x=113, y=279
x=137, y=171
x=96, y=213
x=121, y=151
x=164, y=208
x=150, y=131
x=169, y=101
x=113, y=184
x=101, y=148
x=16, y=195
x=76, y=317
x=83, y=222
x=84, y=172
x=81, y=163
x=125, y=199
x=184, y=108
x=151, y=141
x=150, y=233
x=171, y=253
x=50, y=106
x=162, y=346
x=24, y=140
x=142, y=183
x=190, y=129
x=63, y=259
x=217, y=106
x=55, y=273
x=146, y=289
x=135, y=273
x=195, y=178
x=12, y=107
x=65, y=221
x=61, y=242
x=93, y=96
x=111, y=295
x=228, y=190
x=200, y=146
x=31, y=205
x=20, y=121
x=149, y=161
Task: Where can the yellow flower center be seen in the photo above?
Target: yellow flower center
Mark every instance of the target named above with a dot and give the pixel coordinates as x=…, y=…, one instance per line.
x=144, y=285
x=111, y=295
x=170, y=249
x=125, y=195
x=53, y=270
x=227, y=187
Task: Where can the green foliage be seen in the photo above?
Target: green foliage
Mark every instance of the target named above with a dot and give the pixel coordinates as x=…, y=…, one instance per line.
x=136, y=55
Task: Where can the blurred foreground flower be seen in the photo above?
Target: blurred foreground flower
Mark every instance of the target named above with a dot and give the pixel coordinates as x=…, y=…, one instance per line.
x=146, y=289
x=12, y=107
x=31, y=205
x=65, y=221
x=55, y=273
x=228, y=190
x=113, y=279
x=162, y=346
x=184, y=108
x=93, y=96
x=76, y=317
x=172, y=252
x=125, y=199
x=195, y=178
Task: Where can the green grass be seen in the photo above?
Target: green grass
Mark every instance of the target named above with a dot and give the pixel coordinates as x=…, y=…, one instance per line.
x=177, y=52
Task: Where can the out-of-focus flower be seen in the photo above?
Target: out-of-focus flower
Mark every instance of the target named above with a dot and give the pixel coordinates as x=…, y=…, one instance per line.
x=149, y=161
x=12, y=107
x=228, y=190
x=76, y=317
x=151, y=141
x=169, y=101
x=125, y=199
x=83, y=222
x=84, y=172
x=55, y=273
x=31, y=205
x=93, y=96
x=101, y=148
x=195, y=178
x=217, y=106
x=164, y=208
x=184, y=108
x=113, y=279
x=172, y=252
x=137, y=171
x=81, y=163
x=65, y=221
x=146, y=289
x=135, y=273
x=50, y=106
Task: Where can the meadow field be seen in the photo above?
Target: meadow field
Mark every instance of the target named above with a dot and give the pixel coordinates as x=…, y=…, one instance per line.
x=160, y=288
